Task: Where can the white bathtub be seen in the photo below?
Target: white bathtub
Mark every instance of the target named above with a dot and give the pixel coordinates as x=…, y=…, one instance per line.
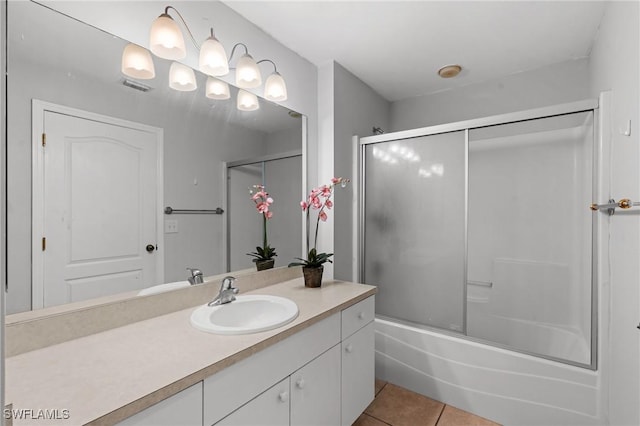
x=505, y=386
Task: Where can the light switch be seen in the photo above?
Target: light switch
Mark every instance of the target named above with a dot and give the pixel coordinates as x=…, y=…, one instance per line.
x=170, y=226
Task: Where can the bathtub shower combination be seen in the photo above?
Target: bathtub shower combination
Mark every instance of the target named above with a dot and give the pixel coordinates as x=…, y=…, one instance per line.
x=480, y=240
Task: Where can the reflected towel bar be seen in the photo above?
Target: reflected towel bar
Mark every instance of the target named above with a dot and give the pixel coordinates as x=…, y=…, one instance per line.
x=480, y=283
x=611, y=206
x=169, y=210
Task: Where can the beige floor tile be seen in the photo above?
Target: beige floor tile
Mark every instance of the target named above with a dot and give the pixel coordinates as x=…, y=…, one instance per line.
x=379, y=385
x=365, y=420
x=401, y=407
x=452, y=416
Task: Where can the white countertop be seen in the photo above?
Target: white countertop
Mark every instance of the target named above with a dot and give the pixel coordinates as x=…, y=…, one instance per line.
x=106, y=377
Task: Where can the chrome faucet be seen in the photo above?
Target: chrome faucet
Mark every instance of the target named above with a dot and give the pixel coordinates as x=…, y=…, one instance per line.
x=227, y=292
x=196, y=276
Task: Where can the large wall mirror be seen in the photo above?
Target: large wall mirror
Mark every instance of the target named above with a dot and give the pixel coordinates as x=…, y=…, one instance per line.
x=117, y=153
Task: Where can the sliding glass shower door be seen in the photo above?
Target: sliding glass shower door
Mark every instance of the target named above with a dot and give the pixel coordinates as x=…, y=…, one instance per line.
x=414, y=219
x=485, y=230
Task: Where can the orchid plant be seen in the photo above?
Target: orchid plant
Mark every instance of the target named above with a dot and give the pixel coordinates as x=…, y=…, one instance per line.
x=319, y=199
x=262, y=201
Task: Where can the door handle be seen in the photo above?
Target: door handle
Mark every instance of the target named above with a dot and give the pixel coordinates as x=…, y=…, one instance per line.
x=150, y=248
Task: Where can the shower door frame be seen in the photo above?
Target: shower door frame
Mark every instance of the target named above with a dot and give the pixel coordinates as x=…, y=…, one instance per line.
x=588, y=105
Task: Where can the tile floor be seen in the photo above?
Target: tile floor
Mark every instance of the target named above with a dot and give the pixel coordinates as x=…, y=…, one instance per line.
x=398, y=406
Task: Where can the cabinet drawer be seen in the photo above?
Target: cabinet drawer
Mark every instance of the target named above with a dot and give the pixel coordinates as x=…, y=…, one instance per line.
x=357, y=316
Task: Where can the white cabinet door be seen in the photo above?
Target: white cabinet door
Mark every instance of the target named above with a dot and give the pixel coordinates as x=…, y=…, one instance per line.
x=183, y=408
x=315, y=391
x=357, y=373
x=270, y=408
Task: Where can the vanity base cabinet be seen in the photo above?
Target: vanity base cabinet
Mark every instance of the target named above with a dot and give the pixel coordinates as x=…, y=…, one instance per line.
x=270, y=408
x=315, y=391
x=183, y=408
x=358, y=375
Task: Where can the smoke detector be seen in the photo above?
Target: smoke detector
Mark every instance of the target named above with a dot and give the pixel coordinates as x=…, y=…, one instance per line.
x=449, y=71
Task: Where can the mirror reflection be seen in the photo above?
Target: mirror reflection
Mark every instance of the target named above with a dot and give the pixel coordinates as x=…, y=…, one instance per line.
x=86, y=204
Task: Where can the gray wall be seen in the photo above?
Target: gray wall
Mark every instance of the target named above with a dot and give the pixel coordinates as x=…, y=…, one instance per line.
x=614, y=65
x=551, y=85
x=357, y=109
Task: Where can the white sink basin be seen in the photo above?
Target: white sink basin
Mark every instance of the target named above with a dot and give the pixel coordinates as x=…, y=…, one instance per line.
x=245, y=315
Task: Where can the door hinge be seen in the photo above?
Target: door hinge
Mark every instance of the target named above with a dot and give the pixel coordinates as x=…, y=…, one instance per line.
x=44, y=243
x=44, y=139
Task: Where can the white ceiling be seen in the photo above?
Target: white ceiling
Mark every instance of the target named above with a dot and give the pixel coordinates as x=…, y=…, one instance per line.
x=396, y=47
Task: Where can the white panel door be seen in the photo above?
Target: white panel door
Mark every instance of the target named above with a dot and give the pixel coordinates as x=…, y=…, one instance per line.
x=100, y=204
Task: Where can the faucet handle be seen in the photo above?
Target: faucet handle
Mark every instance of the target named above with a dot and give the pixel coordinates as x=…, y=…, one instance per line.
x=194, y=271
x=227, y=284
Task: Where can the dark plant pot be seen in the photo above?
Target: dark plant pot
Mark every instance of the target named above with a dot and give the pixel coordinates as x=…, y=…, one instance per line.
x=312, y=276
x=261, y=265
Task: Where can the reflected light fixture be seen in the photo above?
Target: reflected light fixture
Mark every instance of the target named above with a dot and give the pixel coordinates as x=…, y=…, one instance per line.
x=213, y=58
x=165, y=38
x=217, y=89
x=247, y=101
x=182, y=77
x=137, y=62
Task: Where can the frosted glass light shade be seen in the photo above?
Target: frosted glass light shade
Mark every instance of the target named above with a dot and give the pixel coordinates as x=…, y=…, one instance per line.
x=247, y=73
x=216, y=89
x=275, y=89
x=213, y=58
x=137, y=62
x=182, y=78
x=166, y=40
x=247, y=101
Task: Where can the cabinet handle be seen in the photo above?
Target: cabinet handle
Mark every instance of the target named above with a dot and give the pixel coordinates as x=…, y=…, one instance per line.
x=300, y=383
x=283, y=396
x=349, y=348
x=361, y=315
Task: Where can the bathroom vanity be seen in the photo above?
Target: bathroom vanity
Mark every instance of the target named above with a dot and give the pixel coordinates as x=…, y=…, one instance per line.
x=318, y=369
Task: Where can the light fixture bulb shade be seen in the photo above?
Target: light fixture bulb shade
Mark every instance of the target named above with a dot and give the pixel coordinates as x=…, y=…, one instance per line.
x=247, y=73
x=166, y=40
x=217, y=89
x=182, y=78
x=213, y=58
x=137, y=62
x=247, y=101
x=274, y=88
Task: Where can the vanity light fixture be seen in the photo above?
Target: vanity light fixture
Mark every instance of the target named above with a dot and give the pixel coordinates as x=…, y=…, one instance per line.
x=165, y=38
x=247, y=71
x=217, y=89
x=182, y=77
x=275, y=88
x=137, y=62
x=213, y=58
x=166, y=41
x=247, y=101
